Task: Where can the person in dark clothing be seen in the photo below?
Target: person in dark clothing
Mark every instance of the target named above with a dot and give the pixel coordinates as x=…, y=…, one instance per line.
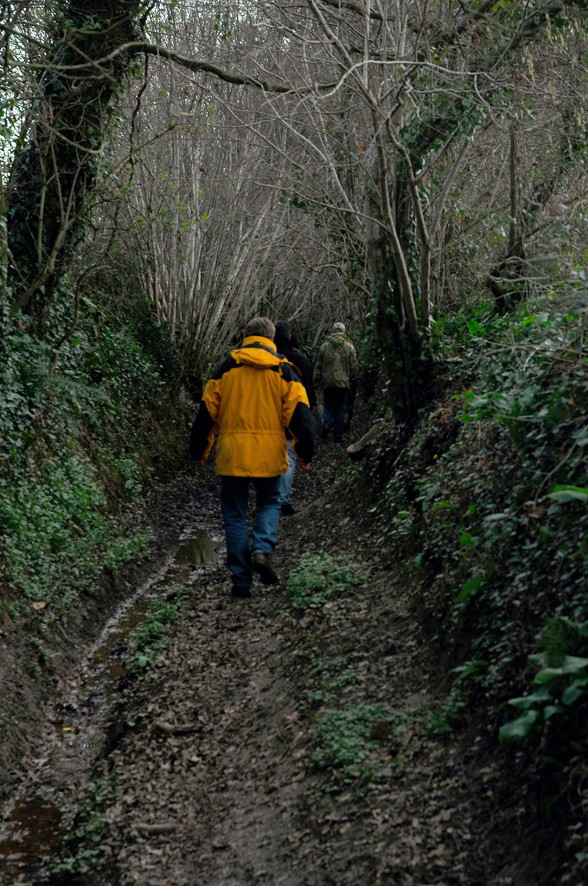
x=250, y=401
x=287, y=346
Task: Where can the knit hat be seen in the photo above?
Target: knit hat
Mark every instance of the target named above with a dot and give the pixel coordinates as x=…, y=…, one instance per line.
x=338, y=327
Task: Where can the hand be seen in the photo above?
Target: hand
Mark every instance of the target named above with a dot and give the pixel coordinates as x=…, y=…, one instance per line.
x=303, y=464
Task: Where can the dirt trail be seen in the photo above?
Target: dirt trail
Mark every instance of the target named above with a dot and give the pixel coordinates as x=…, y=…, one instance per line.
x=217, y=780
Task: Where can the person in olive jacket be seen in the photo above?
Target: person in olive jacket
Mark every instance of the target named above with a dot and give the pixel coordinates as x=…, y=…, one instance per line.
x=250, y=401
x=335, y=372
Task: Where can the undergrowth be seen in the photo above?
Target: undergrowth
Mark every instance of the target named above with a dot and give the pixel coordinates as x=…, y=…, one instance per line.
x=149, y=638
x=352, y=741
x=317, y=578
x=86, y=849
x=488, y=505
x=79, y=449
x=349, y=741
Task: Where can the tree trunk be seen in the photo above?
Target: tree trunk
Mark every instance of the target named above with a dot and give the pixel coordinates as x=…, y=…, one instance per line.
x=54, y=176
x=403, y=347
x=508, y=279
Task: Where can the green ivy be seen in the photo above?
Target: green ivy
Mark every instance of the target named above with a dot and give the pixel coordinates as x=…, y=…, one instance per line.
x=346, y=738
x=78, y=442
x=317, y=578
x=555, y=713
x=149, y=638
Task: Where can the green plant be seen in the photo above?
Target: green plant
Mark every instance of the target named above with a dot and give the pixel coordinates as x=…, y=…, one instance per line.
x=47, y=520
x=325, y=677
x=557, y=709
x=314, y=698
x=317, y=578
x=131, y=476
x=440, y=721
x=467, y=679
x=77, y=441
x=345, y=678
x=121, y=550
x=87, y=848
x=150, y=636
x=346, y=738
x=322, y=665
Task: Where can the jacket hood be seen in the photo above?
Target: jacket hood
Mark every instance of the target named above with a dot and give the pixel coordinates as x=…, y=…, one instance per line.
x=257, y=351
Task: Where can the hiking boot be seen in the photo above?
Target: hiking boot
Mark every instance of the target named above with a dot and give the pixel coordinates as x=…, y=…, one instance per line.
x=287, y=510
x=240, y=592
x=262, y=563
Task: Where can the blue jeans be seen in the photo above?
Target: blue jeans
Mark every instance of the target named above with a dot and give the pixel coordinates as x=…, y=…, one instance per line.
x=234, y=497
x=287, y=479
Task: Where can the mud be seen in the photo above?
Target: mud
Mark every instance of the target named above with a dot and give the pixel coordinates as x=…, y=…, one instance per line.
x=209, y=769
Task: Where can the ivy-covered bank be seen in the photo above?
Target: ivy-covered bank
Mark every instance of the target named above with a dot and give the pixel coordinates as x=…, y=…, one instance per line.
x=92, y=415
x=86, y=422
x=486, y=511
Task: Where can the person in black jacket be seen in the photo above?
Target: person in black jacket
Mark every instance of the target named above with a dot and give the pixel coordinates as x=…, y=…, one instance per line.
x=287, y=345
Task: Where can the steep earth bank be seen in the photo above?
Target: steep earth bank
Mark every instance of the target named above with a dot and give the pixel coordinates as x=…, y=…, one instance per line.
x=31, y=678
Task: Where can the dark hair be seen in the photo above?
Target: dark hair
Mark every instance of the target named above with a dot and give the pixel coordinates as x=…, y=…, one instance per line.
x=283, y=337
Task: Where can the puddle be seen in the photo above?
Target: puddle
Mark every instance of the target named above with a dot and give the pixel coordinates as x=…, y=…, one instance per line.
x=35, y=826
x=198, y=550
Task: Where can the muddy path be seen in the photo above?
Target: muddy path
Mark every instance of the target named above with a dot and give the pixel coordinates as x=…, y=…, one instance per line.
x=268, y=742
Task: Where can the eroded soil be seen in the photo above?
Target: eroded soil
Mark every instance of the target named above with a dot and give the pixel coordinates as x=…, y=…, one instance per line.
x=220, y=773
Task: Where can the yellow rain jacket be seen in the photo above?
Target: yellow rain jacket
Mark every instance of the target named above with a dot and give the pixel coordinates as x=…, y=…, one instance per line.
x=252, y=397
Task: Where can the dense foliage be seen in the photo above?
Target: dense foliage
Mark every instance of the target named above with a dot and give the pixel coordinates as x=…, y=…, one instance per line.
x=87, y=421
x=487, y=509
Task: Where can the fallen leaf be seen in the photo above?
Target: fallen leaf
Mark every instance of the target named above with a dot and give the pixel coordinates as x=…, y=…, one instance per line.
x=175, y=728
x=156, y=828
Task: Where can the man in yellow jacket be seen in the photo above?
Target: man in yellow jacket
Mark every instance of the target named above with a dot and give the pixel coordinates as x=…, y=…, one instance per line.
x=252, y=397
